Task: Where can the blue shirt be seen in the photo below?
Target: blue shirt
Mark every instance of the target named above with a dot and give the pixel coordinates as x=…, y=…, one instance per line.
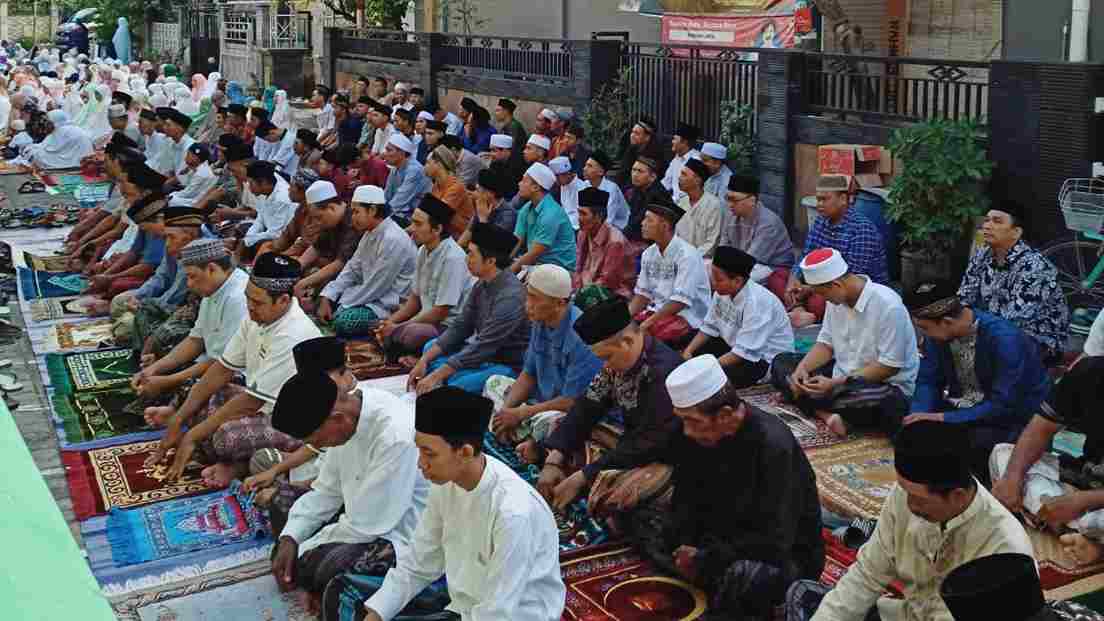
x=857, y=239
x=1009, y=372
x=481, y=142
x=559, y=361
x=149, y=248
x=405, y=188
x=547, y=224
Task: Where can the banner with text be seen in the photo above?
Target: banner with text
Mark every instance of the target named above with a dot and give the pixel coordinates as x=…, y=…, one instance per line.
x=729, y=31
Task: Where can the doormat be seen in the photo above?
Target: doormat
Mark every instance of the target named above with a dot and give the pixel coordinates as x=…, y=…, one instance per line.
x=855, y=478
x=614, y=582
x=35, y=285
x=57, y=308
x=91, y=370
x=93, y=334
x=96, y=415
x=184, y=525
x=118, y=477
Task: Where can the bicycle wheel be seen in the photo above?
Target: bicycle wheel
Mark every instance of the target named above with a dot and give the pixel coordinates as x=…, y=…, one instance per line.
x=1075, y=259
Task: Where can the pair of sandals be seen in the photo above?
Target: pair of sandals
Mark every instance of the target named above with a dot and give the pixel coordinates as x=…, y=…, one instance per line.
x=32, y=187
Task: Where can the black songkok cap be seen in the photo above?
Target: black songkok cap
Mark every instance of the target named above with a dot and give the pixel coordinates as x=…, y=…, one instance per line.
x=468, y=104
x=733, y=261
x=449, y=411
x=603, y=160
x=453, y=142
x=238, y=151
x=275, y=273
x=662, y=205
x=437, y=126
x=308, y=138
x=201, y=151
x=378, y=107
x=1012, y=208
x=122, y=98
x=178, y=117
x=183, y=217
x=304, y=403
x=237, y=109
x=603, y=320
x=149, y=115
x=146, y=208
x=228, y=140
x=492, y=239
x=593, y=197
x=933, y=300
x=260, y=169
x=492, y=181
x=263, y=128
x=689, y=133
x=259, y=113
x=507, y=105
x=932, y=453
x=1002, y=586
x=163, y=112
x=322, y=354
x=743, y=184
x=698, y=168
x=120, y=140
x=144, y=177
x=437, y=208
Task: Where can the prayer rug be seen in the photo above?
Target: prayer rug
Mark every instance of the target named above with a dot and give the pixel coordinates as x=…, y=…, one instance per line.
x=118, y=477
x=1061, y=576
x=36, y=285
x=93, y=334
x=91, y=370
x=810, y=433
x=246, y=593
x=837, y=558
x=577, y=528
x=613, y=582
x=366, y=359
x=854, y=478
x=57, y=308
x=88, y=416
x=183, y=525
x=46, y=263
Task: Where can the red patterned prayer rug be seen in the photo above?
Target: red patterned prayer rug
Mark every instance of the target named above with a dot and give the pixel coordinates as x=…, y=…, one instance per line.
x=367, y=360
x=854, y=478
x=117, y=477
x=613, y=583
x=837, y=558
x=811, y=433
x=1061, y=576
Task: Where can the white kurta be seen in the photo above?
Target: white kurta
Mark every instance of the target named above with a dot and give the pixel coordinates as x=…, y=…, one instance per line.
x=676, y=274
x=701, y=226
x=569, y=199
x=274, y=213
x=753, y=323
x=674, y=169
x=374, y=476
x=196, y=183
x=499, y=552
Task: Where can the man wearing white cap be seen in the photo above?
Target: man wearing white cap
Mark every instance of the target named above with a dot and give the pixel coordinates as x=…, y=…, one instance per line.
x=332, y=238
x=544, y=126
x=558, y=365
x=407, y=183
x=862, y=370
x=536, y=149
x=377, y=277
x=714, y=156
x=506, y=162
x=745, y=516
x=543, y=227
x=568, y=186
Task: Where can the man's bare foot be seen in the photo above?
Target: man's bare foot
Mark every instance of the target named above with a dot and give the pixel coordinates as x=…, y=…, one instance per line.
x=408, y=361
x=799, y=318
x=1084, y=550
x=836, y=425
x=264, y=497
x=158, y=416
x=528, y=451
x=219, y=475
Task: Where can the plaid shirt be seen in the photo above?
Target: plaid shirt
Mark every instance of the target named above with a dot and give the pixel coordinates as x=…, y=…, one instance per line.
x=857, y=239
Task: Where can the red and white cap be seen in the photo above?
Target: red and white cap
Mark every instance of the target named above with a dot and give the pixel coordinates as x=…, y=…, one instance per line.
x=822, y=265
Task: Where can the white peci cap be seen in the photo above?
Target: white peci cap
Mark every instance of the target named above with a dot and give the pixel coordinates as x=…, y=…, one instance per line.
x=695, y=380
x=502, y=141
x=320, y=191
x=822, y=265
x=369, y=195
x=560, y=165
x=714, y=150
x=540, y=141
x=402, y=143
x=551, y=280
x=542, y=174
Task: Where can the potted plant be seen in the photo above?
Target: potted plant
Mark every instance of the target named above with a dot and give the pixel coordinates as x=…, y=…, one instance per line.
x=937, y=196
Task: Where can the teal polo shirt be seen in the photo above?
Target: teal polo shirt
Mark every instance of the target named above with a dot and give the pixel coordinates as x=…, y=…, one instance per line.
x=547, y=224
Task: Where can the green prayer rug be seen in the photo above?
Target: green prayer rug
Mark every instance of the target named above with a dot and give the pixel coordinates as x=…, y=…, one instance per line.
x=96, y=415
x=91, y=370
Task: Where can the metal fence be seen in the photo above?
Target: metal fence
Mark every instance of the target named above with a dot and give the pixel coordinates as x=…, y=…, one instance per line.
x=905, y=89
x=546, y=60
x=687, y=84
x=386, y=46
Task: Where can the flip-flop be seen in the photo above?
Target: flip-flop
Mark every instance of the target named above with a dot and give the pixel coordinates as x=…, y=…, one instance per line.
x=32, y=187
x=9, y=383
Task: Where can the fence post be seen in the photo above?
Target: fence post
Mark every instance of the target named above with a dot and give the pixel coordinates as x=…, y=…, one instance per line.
x=781, y=76
x=328, y=62
x=595, y=63
x=430, y=61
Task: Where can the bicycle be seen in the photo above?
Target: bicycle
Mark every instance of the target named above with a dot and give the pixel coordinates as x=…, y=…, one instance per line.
x=1080, y=261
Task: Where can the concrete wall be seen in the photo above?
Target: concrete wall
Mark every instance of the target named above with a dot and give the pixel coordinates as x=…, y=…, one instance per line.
x=571, y=19
x=1035, y=30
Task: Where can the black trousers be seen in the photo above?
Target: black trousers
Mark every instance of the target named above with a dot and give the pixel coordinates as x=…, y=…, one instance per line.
x=740, y=375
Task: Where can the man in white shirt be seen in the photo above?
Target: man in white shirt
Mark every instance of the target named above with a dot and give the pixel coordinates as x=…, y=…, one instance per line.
x=275, y=209
x=174, y=124
x=370, y=469
x=746, y=326
x=568, y=186
x=682, y=144
x=196, y=177
x=281, y=149
x=701, y=226
x=672, y=292
x=230, y=433
x=862, y=370
x=379, y=117
x=506, y=564
x=594, y=172
x=119, y=119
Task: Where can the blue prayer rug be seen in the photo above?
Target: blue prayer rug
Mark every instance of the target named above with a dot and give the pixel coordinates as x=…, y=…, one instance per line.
x=36, y=285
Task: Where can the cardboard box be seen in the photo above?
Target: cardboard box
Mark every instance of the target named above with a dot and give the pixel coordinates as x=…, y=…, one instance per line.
x=866, y=163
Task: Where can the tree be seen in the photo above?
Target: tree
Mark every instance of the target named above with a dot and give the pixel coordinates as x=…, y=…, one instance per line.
x=377, y=13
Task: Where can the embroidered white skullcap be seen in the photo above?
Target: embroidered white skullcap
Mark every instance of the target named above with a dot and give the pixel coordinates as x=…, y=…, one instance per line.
x=502, y=141
x=542, y=174
x=401, y=142
x=540, y=141
x=551, y=280
x=715, y=150
x=547, y=113
x=822, y=265
x=425, y=116
x=560, y=165
x=320, y=191
x=116, y=111
x=369, y=195
x=19, y=125
x=695, y=380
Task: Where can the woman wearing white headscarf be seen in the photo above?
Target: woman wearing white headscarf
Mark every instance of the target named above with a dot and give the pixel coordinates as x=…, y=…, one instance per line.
x=281, y=112
x=96, y=122
x=64, y=147
x=184, y=102
x=212, y=84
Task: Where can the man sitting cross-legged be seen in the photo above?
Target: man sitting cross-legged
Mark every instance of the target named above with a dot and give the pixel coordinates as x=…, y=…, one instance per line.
x=636, y=365
x=369, y=476
x=1027, y=477
x=238, y=426
x=605, y=262
x=558, y=365
x=377, y=277
x=484, y=529
x=441, y=284
x=744, y=521
x=862, y=370
x=990, y=369
x=936, y=518
x=490, y=335
x=210, y=274
x=746, y=326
